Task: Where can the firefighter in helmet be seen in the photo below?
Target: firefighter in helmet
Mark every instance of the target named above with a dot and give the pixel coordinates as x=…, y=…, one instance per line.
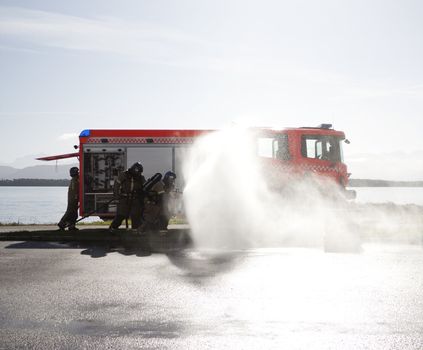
x=157, y=212
x=71, y=214
x=166, y=199
x=126, y=190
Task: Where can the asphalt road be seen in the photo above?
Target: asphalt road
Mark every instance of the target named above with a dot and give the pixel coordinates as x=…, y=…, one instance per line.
x=57, y=296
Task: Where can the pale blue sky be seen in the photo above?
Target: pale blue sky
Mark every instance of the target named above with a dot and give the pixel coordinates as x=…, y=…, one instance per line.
x=68, y=66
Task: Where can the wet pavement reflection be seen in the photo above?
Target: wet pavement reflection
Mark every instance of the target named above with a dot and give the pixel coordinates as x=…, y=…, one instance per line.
x=63, y=296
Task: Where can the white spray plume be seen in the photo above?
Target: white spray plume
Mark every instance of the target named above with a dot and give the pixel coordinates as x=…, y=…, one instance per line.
x=230, y=205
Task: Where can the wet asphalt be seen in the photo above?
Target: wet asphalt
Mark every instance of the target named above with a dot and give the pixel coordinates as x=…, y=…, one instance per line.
x=64, y=296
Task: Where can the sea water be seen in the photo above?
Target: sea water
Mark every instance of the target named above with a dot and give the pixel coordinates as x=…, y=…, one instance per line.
x=33, y=205
x=397, y=195
x=46, y=205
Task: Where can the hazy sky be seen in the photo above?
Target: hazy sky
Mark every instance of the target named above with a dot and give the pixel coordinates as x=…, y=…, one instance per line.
x=73, y=65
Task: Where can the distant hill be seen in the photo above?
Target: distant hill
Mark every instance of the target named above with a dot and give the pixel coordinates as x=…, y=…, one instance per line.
x=35, y=182
x=57, y=172
x=6, y=172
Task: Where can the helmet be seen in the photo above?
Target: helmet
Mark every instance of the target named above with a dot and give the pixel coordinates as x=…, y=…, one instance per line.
x=169, y=178
x=74, y=171
x=136, y=169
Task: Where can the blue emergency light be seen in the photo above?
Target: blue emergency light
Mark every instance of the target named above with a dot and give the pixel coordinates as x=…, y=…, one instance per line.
x=85, y=133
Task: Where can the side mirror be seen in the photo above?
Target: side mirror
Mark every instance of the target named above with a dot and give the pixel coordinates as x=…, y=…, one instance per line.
x=347, y=141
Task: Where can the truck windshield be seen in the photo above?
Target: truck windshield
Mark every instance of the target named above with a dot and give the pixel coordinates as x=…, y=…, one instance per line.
x=321, y=147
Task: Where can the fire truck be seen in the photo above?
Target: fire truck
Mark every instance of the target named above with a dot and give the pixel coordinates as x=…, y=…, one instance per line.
x=103, y=154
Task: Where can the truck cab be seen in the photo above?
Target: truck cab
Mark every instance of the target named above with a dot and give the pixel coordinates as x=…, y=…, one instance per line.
x=294, y=153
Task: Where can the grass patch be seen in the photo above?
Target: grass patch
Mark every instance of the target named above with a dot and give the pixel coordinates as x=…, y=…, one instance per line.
x=178, y=221
x=95, y=223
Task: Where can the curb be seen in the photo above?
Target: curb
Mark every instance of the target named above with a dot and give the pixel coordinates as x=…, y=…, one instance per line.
x=163, y=241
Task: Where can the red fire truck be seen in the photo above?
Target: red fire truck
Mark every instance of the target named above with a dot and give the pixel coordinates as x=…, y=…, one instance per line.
x=104, y=153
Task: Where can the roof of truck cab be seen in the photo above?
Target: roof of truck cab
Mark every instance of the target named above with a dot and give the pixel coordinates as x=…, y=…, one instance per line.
x=305, y=131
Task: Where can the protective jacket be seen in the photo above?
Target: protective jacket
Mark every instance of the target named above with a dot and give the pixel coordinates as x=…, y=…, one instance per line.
x=157, y=211
x=73, y=191
x=128, y=191
x=71, y=214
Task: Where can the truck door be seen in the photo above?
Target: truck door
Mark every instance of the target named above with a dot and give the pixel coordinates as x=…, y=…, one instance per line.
x=321, y=155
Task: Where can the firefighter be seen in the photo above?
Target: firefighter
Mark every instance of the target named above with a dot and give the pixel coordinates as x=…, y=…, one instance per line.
x=156, y=214
x=71, y=214
x=166, y=199
x=127, y=190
